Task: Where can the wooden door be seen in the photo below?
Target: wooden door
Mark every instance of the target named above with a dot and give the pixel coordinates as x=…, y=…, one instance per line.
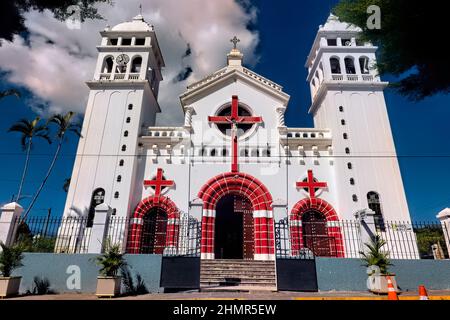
x=315, y=236
x=243, y=206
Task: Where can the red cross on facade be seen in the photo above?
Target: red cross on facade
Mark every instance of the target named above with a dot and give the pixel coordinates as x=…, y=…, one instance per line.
x=234, y=120
x=158, y=183
x=311, y=184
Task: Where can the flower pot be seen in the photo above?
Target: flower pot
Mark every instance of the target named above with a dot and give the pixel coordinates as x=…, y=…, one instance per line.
x=9, y=286
x=108, y=286
x=378, y=283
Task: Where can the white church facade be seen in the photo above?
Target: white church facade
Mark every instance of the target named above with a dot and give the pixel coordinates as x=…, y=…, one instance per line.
x=234, y=165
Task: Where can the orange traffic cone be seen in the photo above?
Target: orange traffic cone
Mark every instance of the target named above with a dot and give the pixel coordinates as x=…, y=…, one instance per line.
x=423, y=295
x=392, y=295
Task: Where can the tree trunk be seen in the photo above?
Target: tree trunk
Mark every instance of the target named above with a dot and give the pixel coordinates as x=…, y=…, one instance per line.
x=25, y=168
x=33, y=201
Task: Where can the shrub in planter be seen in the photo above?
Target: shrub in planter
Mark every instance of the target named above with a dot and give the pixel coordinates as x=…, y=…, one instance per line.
x=108, y=282
x=10, y=259
x=377, y=262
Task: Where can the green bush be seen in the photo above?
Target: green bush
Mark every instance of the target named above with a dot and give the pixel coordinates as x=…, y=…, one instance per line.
x=10, y=259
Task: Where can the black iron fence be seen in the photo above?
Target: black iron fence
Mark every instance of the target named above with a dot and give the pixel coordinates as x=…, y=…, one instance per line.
x=342, y=239
x=416, y=240
x=52, y=234
x=181, y=237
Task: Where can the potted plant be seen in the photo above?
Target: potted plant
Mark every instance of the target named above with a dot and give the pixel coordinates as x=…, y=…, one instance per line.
x=377, y=262
x=108, y=282
x=10, y=259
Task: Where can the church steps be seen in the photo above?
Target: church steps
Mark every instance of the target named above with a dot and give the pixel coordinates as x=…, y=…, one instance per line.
x=237, y=275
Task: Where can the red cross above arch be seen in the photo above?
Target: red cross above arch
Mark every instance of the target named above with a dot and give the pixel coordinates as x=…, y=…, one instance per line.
x=158, y=183
x=234, y=120
x=311, y=185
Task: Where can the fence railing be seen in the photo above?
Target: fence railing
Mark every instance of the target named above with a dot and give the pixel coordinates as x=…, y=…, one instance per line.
x=342, y=239
x=50, y=234
x=181, y=237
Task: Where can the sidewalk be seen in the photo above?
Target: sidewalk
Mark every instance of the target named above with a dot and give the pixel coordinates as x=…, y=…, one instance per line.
x=283, y=295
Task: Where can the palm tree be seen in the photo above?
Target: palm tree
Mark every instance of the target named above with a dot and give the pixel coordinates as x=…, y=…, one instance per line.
x=28, y=130
x=10, y=92
x=64, y=124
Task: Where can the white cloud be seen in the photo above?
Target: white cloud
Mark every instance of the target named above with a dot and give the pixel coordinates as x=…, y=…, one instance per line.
x=56, y=70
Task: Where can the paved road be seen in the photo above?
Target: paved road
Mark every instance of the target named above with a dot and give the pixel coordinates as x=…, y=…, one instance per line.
x=434, y=295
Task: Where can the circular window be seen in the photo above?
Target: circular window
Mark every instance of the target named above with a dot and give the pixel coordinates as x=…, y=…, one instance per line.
x=242, y=128
x=163, y=188
x=307, y=189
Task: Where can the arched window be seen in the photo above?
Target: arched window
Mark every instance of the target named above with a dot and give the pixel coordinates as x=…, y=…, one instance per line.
x=335, y=65
x=136, y=65
x=373, y=200
x=213, y=153
x=107, y=65
x=347, y=150
x=349, y=166
x=119, y=178
x=98, y=197
x=349, y=65
x=224, y=152
x=121, y=163
x=125, y=134
x=364, y=65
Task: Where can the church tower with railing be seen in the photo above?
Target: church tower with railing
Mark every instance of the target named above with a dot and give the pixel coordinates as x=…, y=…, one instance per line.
x=347, y=98
x=123, y=100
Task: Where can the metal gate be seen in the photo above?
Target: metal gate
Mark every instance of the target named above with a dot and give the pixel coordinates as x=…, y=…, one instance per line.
x=296, y=270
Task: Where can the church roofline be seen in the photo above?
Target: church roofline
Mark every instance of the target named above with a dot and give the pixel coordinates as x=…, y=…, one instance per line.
x=225, y=74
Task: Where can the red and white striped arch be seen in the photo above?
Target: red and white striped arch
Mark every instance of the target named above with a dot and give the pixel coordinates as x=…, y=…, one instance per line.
x=143, y=208
x=333, y=228
x=259, y=196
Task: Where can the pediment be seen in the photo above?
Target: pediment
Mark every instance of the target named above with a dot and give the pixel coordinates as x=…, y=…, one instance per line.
x=228, y=75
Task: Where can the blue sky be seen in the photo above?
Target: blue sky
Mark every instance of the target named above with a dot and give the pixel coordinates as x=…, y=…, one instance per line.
x=286, y=32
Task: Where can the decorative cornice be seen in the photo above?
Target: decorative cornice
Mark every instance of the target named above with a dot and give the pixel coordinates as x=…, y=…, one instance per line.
x=347, y=86
x=225, y=74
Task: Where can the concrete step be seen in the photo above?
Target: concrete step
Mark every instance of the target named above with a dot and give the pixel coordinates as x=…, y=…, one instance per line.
x=249, y=289
x=238, y=272
x=242, y=283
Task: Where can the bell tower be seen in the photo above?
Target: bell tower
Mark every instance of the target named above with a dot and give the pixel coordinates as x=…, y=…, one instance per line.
x=123, y=100
x=347, y=97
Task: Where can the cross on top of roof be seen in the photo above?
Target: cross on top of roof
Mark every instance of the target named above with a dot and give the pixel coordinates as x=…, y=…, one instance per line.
x=235, y=41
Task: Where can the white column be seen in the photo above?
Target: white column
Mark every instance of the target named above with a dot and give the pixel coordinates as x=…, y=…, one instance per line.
x=9, y=214
x=444, y=217
x=99, y=228
x=280, y=117
x=366, y=219
x=188, y=118
x=196, y=209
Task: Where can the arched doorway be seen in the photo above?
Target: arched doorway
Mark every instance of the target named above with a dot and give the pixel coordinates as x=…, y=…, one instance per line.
x=234, y=228
x=154, y=226
x=154, y=230
x=315, y=235
x=258, y=196
x=314, y=225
